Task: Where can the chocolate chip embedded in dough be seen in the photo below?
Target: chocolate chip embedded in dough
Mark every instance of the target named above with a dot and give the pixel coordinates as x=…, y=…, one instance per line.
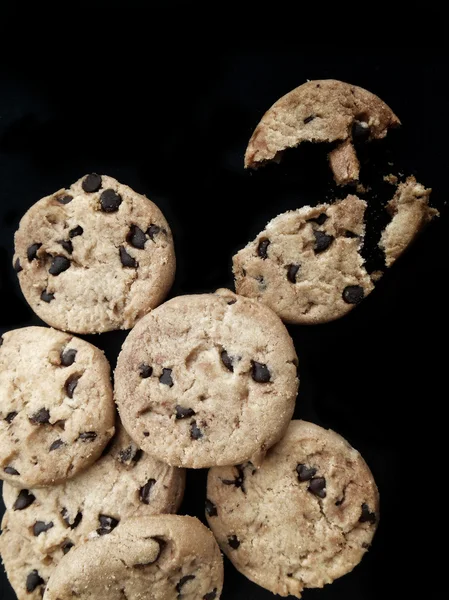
x=153, y=230
x=107, y=524
x=41, y=417
x=234, y=542
x=262, y=248
x=59, y=264
x=41, y=527
x=145, y=491
x=145, y=371
x=136, y=237
x=87, y=436
x=56, y=444
x=11, y=470
x=260, y=372
x=32, y=251
x=184, y=413
x=322, y=241
x=166, y=377
x=67, y=245
x=317, y=486
x=226, y=360
x=292, y=271
x=110, y=201
x=47, y=296
x=67, y=546
x=305, y=473
x=211, y=595
x=353, y=294
x=66, y=518
x=68, y=357
x=65, y=199
x=126, y=259
x=76, y=231
x=11, y=416
x=211, y=509
x=33, y=581
x=91, y=183
x=17, y=266
x=23, y=500
x=367, y=516
x=182, y=582
x=70, y=384
x=195, y=431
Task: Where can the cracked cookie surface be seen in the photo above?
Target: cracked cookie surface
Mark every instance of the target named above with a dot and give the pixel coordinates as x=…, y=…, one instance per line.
x=303, y=519
x=56, y=407
x=165, y=557
x=208, y=379
x=94, y=257
x=41, y=525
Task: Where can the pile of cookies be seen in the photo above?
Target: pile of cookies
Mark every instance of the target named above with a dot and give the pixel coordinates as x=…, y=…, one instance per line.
x=202, y=381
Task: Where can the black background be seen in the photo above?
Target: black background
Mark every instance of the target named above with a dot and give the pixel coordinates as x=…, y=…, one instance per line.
x=176, y=129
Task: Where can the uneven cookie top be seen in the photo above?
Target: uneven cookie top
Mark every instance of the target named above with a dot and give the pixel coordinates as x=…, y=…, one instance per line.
x=41, y=525
x=95, y=257
x=56, y=407
x=207, y=380
x=306, y=265
x=304, y=518
x=164, y=558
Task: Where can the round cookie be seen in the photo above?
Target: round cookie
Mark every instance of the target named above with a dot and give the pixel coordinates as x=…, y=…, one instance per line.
x=56, y=407
x=301, y=520
x=95, y=257
x=166, y=558
x=41, y=525
x=306, y=265
x=207, y=380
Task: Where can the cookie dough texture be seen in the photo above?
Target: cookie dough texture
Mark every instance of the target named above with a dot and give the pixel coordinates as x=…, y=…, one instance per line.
x=304, y=518
x=206, y=380
x=306, y=265
x=41, y=525
x=94, y=257
x=163, y=558
x=322, y=111
x=56, y=406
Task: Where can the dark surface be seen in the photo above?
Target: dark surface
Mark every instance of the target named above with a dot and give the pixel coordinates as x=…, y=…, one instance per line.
x=177, y=131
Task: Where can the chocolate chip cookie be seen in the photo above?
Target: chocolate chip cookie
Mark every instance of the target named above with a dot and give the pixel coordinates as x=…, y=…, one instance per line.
x=322, y=111
x=207, y=380
x=304, y=518
x=41, y=525
x=166, y=557
x=56, y=407
x=94, y=257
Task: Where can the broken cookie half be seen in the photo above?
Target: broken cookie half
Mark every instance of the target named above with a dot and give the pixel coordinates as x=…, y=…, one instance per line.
x=322, y=111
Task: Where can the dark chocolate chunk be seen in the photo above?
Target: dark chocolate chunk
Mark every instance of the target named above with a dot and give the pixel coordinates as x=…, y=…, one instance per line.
x=136, y=237
x=66, y=517
x=41, y=527
x=308, y=119
x=130, y=454
x=305, y=473
x=184, y=413
x=78, y=230
x=146, y=433
x=162, y=544
x=67, y=245
x=110, y=201
x=360, y=132
x=166, y=377
x=317, y=486
x=182, y=582
x=65, y=199
x=91, y=183
x=350, y=234
x=226, y=360
x=292, y=270
x=11, y=416
x=59, y=264
x=32, y=251
x=47, y=296
x=145, y=371
x=56, y=444
x=320, y=219
x=107, y=524
x=195, y=431
x=34, y=580
x=211, y=595
x=87, y=436
x=23, y=500
x=353, y=294
x=126, y=259
x=68, y=357
x=260, y=372
x=234, y=542
x=70, y=384
x=67, y=546
x=367, y=516
x=262, y=248
x=211, y=509
x=11, y=471
x=17, y=266
x=322, y=241
x=238, y=481
x=153, y=230
x=145, y=491
x=41, y=417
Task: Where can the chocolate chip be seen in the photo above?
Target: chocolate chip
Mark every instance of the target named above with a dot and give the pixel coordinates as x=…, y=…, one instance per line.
x=308, y=119
x=68, y=357
x=87, y=436
x=162, y=544
x=184, y=413
x=226, y=360
x=17, y=266
x=153, y=230
x=23, y=500
x=145, y=371
x=211, y=595
x=67, y=245
x=260, y=372
x=367, y=516
x=11, y=471
x=234, y=542
x=304, y=472
x=107, y=524
x=67, y=546
x=78, y=230
x=41, y=527
x=238, y=481
x=166, y=377
x=136, y=237
x=70, y=384
x=182, y=582
x=59, y=264
x=126, y=259
x=360, y=132
x=353, y=294
x=318, y=487
x=32, y=251
x=56, y=444
x=66, y=518
x=110, y=201
x=33, y=581
x=262, y=248
x=41, y=417
x=11, y=416
x=366, y=545
x=65, y=199
x=91, y=183
x=130, y=454
x=195, y=432
x=146, y=433
x=322, y=241
x=47, y=296
x=320, y=219
x=211, y=509
x=291, y=272
x=145, y=491
x=350, y=234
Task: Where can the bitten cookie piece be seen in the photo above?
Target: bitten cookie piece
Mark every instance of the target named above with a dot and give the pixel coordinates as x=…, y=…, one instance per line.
x=322, y=111
x=95, y=257
x=301, y=520
x=306, y=265
x=40, y=526
x=164, y=557
x=207, y=380
x=56, y=407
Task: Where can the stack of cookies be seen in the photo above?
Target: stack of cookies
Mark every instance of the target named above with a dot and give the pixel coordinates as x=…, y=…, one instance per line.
x=202, y=381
